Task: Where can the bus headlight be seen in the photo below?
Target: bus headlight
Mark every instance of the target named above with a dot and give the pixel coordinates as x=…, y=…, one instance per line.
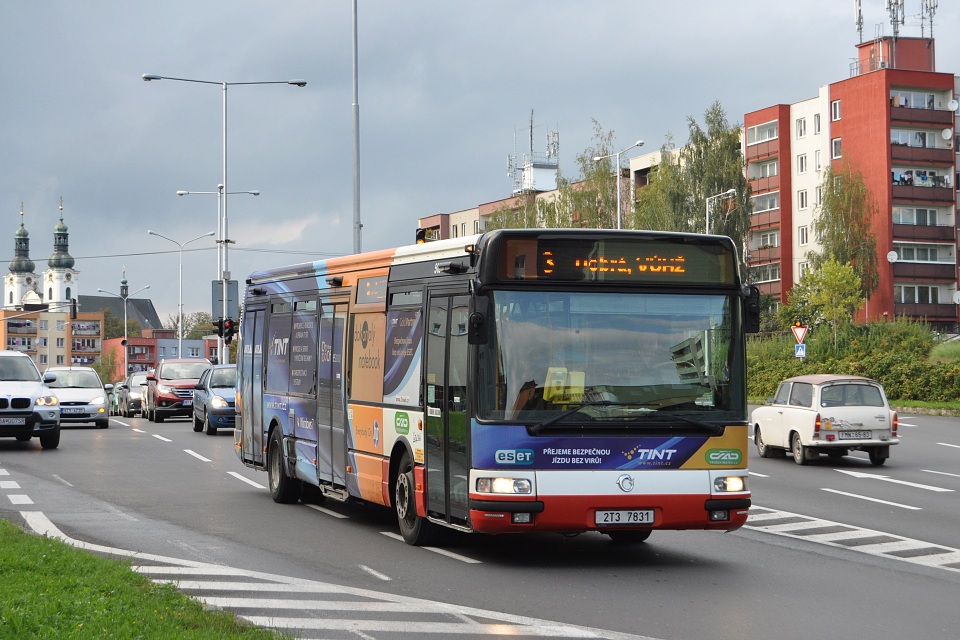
x=730, y=484
x=504, y=485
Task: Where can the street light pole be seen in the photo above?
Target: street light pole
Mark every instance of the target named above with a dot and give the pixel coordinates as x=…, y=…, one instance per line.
x=124, y=296
x=220, y=249
x=638, y=143
x=181, y=245
x=725, y=194
x=224, y=238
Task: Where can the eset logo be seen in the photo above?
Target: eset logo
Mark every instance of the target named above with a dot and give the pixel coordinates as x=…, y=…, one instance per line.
x=514, y=456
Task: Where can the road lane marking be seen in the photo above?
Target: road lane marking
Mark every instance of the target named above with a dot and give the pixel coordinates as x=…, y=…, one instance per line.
x=856, y=495
x=138, y=430
x=433, y=615
x=120, y=422
x=56, y=477
x=247, y=480
x=376, y=574
x=19, y=499
x=877, y=476
x=9, y=484
x=197, y=455
x=4, y=472
x=845, y=536
x=442, y=552
x=317, y=507
x=941, y=473
x=947, y=444
x=162, y=438
x=759, y=475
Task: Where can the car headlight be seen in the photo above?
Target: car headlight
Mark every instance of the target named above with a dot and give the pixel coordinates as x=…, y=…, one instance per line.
x=135, y=395
x=504, y=485
x=97, y=400
x=47, y=401
x=730, y=484
x=162, y=388
x=217, y=402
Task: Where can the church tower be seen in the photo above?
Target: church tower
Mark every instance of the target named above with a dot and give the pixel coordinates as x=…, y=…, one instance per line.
x=20, y=284
x=60, y=279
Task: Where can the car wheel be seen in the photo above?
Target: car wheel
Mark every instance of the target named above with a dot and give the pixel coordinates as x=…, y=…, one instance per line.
x=415, y=530
x=209, y=428
x=157, y=417
x=197, y=424
x=103, y=424
x=799, y=451
x=283, y=488
x=629, y=537
x=50, y=440
x=762, y=447
x=876, y=457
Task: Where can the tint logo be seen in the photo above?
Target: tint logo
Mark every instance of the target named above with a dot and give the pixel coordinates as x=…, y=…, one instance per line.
x=724, y=456
x=514, y=456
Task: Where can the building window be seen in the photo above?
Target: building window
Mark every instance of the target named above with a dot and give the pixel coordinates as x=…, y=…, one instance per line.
x=802, y=199
x=762, y=132
x=476, y=226
x=61, y=325
x=912, y=99
x=60, y=359
x=837, y=151
x=43, y=359
x=916, y=294
x=173, y=352
x=922, y=216
x=803, y=268
x=60, y=343
x=769, y=169
x=816, y=160
x=50, y=294
x=816, y=123
x=819, y=196
x=194, y=352
x=835, y=110
x=803, y=237
x=916, y=252
x=67, y=297
x=769, y=239
x=765, y=272
x=802, y=163
x=766, y=202
x=453, y=231
x=11, y=297
x=801, y=127
x=463, y=228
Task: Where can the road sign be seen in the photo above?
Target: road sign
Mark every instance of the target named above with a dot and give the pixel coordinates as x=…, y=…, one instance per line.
x=800, y=350
x=799, y=332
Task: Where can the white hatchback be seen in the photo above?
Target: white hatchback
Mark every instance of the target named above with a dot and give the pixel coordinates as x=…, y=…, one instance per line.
x=826, y=413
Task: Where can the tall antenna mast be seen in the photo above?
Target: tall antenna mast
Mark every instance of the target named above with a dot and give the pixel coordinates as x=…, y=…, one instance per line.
x=858, y=9
x=929, y=7
x=895, y=8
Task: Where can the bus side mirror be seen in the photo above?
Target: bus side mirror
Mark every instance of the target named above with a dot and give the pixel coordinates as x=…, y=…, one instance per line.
x=477, y=331
x=751, y=309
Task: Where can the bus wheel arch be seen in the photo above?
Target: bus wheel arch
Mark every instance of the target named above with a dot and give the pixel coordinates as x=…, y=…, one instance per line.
x=416, y=530
x=283, y=488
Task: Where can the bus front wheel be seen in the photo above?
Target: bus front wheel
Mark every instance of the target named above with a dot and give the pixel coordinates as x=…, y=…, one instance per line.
x=283, y=488
x=415, y=530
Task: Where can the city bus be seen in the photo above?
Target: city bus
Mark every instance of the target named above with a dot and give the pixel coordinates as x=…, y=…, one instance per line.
x=525, y=380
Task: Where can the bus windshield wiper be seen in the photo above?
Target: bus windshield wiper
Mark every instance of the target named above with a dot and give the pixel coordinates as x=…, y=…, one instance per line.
x=711, y=428
x=535, y=429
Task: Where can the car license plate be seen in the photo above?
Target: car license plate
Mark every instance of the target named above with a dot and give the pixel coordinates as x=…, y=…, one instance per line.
x=623, y=516
x=855, y=435
x=73, y=410
x=14, y=421
x=188, y=403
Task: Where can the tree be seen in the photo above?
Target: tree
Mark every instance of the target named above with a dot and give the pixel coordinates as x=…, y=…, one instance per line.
x=106, y=366
x=113, y=326
x=843, y=225
x=663, y=203
x=830, y=293
x=195, y=325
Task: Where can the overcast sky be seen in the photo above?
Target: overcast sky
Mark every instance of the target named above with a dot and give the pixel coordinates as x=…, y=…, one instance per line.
x=445, y=89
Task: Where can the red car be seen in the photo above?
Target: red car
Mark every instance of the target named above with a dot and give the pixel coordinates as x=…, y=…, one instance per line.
x=170, y=388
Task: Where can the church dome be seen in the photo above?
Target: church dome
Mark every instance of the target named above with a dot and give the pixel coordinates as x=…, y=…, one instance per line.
x=61, y=258
x=22, y=262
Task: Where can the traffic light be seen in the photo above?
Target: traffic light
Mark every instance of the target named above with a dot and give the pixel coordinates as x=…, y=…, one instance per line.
x=421, y=236
x=798, y=322
x=73, y=308
x=219, y=325
x=229, y=328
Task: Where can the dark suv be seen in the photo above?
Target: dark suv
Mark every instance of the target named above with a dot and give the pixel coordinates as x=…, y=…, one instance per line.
x=170, y=386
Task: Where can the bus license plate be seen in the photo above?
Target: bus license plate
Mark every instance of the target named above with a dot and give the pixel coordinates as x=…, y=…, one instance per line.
x=855, y=435
x=624, y=516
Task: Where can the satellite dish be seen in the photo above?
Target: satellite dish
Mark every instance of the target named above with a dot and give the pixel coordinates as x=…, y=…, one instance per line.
x=892, y=257
x=947, y=134
x=953, y=105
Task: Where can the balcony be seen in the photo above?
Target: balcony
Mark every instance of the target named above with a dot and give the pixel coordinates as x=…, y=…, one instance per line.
x=923, y=232
x=764, y=254
x=921, y=154
x=762, y=149
x=765, y=219
x=941, y=312
x=921, y=116
x=769, y=288
x=770, y=183
x=30, y=330
x=928, y=194
x=925, y=271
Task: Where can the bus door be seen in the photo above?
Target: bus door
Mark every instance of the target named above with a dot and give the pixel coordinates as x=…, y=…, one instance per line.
x=251, y=387
x=332, y=447
x=445, y=449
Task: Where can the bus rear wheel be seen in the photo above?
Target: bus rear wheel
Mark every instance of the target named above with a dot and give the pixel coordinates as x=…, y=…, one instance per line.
x=415, y=530
x=283, y=488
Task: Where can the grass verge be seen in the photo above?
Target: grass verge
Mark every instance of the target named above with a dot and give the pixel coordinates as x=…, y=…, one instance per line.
x=49, y=589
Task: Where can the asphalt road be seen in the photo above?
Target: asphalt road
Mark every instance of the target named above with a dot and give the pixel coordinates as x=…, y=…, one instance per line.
x=837, y=546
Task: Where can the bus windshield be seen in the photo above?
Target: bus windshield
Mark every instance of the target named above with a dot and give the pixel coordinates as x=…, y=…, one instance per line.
x=632, y=355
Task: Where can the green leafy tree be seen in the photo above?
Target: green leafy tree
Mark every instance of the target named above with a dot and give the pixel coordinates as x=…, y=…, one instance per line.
x=113, y=326
x=830, y=294
x=106, y=366
x=843, y=226
x=663, y=203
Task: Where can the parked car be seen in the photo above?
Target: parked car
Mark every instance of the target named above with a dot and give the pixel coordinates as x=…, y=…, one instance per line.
x=214, y=398
x=28, y=407
x=130, y=396
x=82, y=395
x=832, y=414
x=169, y=391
